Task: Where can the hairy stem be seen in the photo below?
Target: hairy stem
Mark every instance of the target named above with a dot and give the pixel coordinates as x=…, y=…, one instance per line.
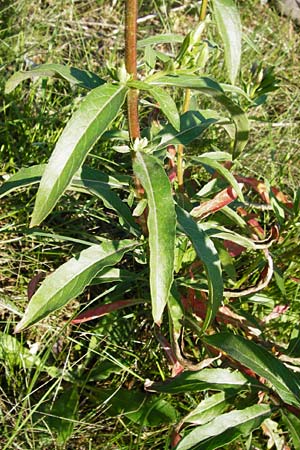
x=180, y=148
x=131, y=8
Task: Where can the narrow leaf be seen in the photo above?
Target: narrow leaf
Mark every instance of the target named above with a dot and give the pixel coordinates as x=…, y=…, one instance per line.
x=94, y=115
x=213, y=89
x=161, y=226
x=293, y=425
x=208, y=254
x=192, y=125
x=210, y=408
x=213, y=379
x=225, y=428
x=208, y=159
x=229, y=27
x=160, y=39
x=71, y=278
x=82, y=78
x=261, y=362
x=167, y=105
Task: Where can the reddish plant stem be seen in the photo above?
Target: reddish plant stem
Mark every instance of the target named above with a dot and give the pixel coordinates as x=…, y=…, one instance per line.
x=131, y=7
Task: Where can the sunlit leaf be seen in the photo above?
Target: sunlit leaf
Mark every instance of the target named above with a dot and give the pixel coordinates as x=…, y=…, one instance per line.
x=161, y=225
x=258, y=359
x=293, y=425
x=212, y=88
x=207, y=252
x=213, y=379
x=225, y=428
x=210, y=407
x=94, y=115
x=167, y=105
x=82, y=78
x=229, y=27
x=71, y=278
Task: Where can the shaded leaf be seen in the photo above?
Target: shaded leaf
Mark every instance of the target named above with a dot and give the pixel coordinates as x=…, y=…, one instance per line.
x=63, y=414
x=70, y=279
x=82, y=78
x=161, y=225
x=229, y=27
x=261, y=362
x=225, y=428
x=208, y=254
x=94, y=115
x=137, y=406
x=13, y=353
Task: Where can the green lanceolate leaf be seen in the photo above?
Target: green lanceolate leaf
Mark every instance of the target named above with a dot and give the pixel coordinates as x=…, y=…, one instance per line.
x=210, y=408
x=213, y=379
x=293, y=425
x=225, y=428
x=229, y=26
x=63, y=414
x=88, y=180
x=167, y=105
x=70, y=279
x=192, y=125
x=208, y=159
x=213, y=89
x=208, y=254
x=82, y=78
x=261, y=362
x=160, y=39
x=161, y=225
x=94, y=115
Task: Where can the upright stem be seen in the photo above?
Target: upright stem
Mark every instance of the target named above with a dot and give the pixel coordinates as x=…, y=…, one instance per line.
x=131, y=14
x=203, y=10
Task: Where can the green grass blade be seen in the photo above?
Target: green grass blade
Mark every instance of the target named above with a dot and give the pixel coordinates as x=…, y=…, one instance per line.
x=210, y=87
x=208, y=254
x=82, y=78
x=70, y=279
x=95, y=113
x=229, y=27
x=161, y=226
x=225, y=428
x=261, y=362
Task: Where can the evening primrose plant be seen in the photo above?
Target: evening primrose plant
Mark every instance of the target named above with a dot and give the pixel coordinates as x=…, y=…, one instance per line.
x=185, y=221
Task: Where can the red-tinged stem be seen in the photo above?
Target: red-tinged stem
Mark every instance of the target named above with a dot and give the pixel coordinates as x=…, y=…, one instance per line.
x=131, y=14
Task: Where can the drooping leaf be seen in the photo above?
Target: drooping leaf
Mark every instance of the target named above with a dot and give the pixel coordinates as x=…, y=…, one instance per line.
x=229, y=27
x=94, y=115
x=293, y=425
x=212, y=88
x=208, y=254
x=107, y=308
x=192, y=125
x=71, y=278
x=28, y=176
x=83, y=78
x=209, y=160
x=161, y=225
x=225, y=428
x=196, y=381
x=167, y=105
x=258, y=359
